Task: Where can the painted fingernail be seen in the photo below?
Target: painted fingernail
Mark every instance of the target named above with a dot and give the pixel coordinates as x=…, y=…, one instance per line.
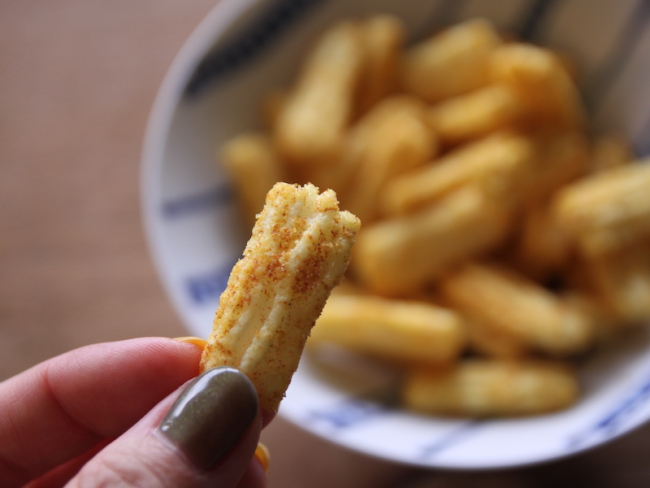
x=211, y=415
x=197, y=341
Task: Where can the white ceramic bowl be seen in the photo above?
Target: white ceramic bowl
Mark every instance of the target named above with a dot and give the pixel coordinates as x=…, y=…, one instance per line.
x=213, y=91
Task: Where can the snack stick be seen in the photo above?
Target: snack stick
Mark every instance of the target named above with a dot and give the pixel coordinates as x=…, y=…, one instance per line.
x=255, y=167
x=474, y=114
x=401, y=143
x=561, y=159
x=450, y=63
x=545, y=88
x=607, y=211
x=614, y=236
x=397, y=257
x=298, y=252
x=543, y=248
x=403, y=331
x=610, y=151
x=362, y=137
x=518, y=307
x=497, y=162
x=363, y=134
x=484, y=388
x=310, y=125
x=608, y=323
x=493, y=342
x=382, y=39
x=623, y=278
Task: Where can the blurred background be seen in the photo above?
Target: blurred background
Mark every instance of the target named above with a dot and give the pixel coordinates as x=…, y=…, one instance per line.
x=77, y=81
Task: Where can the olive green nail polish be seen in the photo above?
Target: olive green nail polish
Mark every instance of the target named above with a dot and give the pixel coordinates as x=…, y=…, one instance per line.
x=211, y=415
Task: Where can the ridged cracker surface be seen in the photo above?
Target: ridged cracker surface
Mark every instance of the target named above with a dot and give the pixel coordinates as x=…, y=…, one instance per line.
x=298, y=252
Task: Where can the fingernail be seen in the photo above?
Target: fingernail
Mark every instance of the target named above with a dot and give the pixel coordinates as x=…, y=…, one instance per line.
x=197, y=341
x=211, y=415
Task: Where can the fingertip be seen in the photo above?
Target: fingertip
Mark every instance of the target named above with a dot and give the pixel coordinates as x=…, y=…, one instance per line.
x=108, y=387
x=180, y=441
x=254, y=476
x=182, y=352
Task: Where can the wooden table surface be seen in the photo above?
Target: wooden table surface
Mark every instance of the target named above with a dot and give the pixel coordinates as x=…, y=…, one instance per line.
x=77, y=81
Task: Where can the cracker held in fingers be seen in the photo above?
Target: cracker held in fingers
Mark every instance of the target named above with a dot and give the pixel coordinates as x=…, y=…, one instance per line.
x=299, y=250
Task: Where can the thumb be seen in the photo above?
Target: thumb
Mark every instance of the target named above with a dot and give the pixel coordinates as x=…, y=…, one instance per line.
x=206, y=436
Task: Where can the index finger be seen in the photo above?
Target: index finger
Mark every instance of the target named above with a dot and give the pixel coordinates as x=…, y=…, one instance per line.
x=64, y=406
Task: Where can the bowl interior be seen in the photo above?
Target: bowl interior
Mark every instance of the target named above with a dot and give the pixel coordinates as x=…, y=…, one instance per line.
x=214, y=90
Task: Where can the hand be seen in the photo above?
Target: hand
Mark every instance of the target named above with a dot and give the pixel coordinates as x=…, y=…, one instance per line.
x=115, y=415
